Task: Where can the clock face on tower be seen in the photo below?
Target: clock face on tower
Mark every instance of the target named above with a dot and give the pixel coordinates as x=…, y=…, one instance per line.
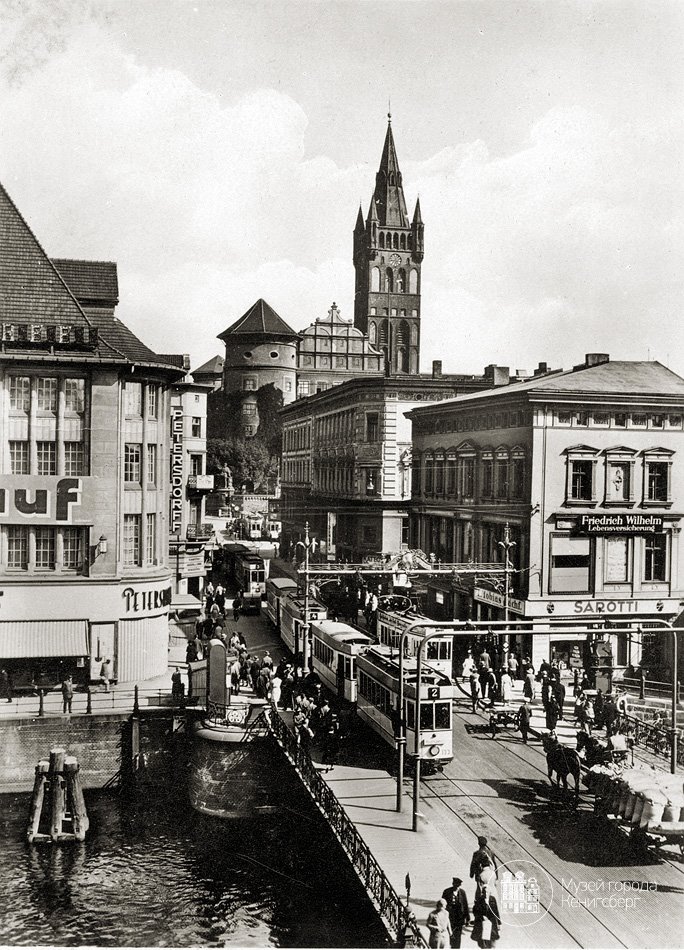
x=395, y=260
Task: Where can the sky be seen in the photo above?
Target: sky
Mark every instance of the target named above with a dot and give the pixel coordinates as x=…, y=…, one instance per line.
x=218, y=152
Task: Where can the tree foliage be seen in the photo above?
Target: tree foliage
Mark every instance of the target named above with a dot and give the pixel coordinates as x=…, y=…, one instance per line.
x=249, y=461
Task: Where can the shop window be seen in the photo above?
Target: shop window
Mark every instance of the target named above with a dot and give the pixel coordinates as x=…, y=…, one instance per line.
x=655, y=558
x=570, y=565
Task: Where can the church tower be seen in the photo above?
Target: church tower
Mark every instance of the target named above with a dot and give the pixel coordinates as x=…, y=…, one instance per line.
x=388, y=251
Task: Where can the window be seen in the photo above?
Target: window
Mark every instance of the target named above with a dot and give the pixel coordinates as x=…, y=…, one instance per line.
x=74, y=458
x=17, y=547
x=517, y=476
x=151, y=541
x=288, y=385
x=152, y=402
x=20, y=393
x=655, y=557
x=74, y=395
x=429, y=475
x=132, y=452
x=274, y=354
x=674, y=422
x=46, y=453
x=657, y=422
x=487, y=476
x=196, y=464
x=601, y=418
x=657, y=481
x=46, y=394
x=639, y=420
x=620, y=420
x=131, y=540
x=45, y=548
x=73, y=548
x=19, y=458
x=152, y=464
x=196, y=427
x=502, y=476
x=133, y=399
x=564, y=417
x=372, y=427
x=249, y=383
x=570, y=565
x=581, y=418
x=439, y=474
x=304, y=387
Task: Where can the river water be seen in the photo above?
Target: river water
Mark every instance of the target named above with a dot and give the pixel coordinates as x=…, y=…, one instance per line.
x=154, y=873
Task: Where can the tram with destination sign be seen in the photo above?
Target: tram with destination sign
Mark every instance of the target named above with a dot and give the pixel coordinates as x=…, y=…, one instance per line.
x=276, y=590
x=437, y=654
x=292, y=619
x=250, y=577
x=336, y=647
x=377, y=703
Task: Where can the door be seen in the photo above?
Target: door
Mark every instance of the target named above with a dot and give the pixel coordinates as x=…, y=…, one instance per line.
x=340, y=675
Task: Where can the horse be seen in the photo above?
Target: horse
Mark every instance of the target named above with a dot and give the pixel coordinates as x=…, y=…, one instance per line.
x=595, y=752
x=563, y=761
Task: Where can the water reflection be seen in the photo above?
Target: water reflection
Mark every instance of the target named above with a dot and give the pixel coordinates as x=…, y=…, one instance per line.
x=154, y=873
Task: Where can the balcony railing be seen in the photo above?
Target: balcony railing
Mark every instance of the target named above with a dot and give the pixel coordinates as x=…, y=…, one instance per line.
x=201, y=482
x=199, y=532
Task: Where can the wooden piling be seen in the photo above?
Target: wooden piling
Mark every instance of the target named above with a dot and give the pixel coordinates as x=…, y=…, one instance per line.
x=79, y=815
x=37, y=799
x=57, y=787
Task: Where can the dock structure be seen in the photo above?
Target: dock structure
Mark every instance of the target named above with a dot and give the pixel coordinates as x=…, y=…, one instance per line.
x=57, y=812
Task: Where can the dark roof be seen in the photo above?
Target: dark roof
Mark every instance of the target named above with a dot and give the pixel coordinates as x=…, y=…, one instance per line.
x=34, y=291
x=260, y=320
x=182, y=360
x=214, y=366
x=90, y=281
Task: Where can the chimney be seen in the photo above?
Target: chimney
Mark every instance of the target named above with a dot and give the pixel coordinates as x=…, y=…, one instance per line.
x=436, y=368
x=542, y=369
x=595, y=359
x=497, y=375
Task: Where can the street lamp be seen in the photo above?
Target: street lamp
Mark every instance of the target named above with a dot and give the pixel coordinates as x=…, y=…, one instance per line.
x=506, y=546
x=307, y=659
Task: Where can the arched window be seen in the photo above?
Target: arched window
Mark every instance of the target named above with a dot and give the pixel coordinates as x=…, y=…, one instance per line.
x=389, y=276
x=373, y=333
x=375, y=279
x=410, y=242
x=401, y=281
x=402, y=242
x=396, y=242
x=413, y=281
x=381, y=240
x=383, y=333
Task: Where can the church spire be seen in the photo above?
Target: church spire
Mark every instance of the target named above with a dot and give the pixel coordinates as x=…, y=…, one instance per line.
x=389, y=193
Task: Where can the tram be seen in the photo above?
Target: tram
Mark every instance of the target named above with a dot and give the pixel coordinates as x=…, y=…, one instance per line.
x=276, y=589
x=336, y=647
x=391, y=624
x=292, y=619
x=250, y=577
x=378, y=703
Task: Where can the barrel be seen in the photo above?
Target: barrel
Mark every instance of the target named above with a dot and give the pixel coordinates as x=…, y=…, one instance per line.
x=654, y=805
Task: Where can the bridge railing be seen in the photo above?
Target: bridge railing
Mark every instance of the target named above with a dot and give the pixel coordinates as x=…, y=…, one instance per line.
x=649, y=737
x=397, y=916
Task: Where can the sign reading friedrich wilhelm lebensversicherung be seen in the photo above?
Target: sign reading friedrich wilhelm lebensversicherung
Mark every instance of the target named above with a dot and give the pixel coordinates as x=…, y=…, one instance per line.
x=620, y=524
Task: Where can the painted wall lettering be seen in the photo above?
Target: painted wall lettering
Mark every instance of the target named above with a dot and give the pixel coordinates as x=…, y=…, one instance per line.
x=137, y=601
x=52, y=499
x=176, y=469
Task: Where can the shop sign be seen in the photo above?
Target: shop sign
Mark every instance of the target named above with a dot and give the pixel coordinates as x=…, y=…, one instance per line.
x=138, y=601
x=620, y=524
x=491, y=597
x=193, y=565
x=594, y=607
x=176, y=470
x=50, y=499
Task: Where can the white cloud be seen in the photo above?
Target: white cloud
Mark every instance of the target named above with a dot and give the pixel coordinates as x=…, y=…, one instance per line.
x=568, y=244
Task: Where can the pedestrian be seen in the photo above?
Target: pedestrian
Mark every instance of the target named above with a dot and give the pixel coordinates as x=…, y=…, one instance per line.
x=235, y=676
x=529, y=686
x=483, y=675
x=237, y=605
x=276, y=686
x=486, y=915
x=177, y=687
x=610, y=715
x=599, y=708
x=263, y=687
x=576, y=681
x=492, y=685
x=332, y=739
x=303, y=731
x=243, y=642
x=524, y=716
x=482, y=858
x=220, y=598
x=458, y=910
x=474, y=690
x=558, y=691
x=545, y=688
x=513, y=666
x=235, y=642
x=267, y=660
x=106, y=673
x=6, y=681
x=254, y=670
x=215, y=613
x=468, y=666
x=439, y=925
x=67, y=693
x=552, y=713
x=485, y=659
x=506, y=687
x=190, y=653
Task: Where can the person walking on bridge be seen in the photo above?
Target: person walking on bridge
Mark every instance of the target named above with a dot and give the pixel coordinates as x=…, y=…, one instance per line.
x=439, y=925
x=482, y=858
x=459, y=912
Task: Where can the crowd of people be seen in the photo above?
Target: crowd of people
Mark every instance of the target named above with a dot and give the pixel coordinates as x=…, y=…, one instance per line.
x=453, y=914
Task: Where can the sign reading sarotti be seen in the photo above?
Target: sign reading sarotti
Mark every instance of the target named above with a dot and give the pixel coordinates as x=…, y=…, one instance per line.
x=176, y=469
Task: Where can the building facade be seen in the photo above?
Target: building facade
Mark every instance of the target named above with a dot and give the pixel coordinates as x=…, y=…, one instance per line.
x=585, y=467
x=84, y=471
x=331, y=351
x=346, y=463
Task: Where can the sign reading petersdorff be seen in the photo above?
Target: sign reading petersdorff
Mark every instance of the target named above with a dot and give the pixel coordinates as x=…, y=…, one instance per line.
x=176, y=469
x=620, y=524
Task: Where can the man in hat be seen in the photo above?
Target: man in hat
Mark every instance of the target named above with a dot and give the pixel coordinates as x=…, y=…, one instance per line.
x=459, y=912
x=524, y=715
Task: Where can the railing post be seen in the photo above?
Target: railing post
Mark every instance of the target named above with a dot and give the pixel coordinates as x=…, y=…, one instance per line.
x=642, y=687
x=89, y=700
x=136, y=704
x=41, y=702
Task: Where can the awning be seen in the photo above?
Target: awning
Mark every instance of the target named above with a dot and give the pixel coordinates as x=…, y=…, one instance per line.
x=184, y=600
x=38, y=638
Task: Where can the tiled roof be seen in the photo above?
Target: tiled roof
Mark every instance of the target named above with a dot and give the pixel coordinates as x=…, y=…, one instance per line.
x=90, y=281
x=260, y=320
x=213, y=366
x=182, y=360
x=33, y=291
